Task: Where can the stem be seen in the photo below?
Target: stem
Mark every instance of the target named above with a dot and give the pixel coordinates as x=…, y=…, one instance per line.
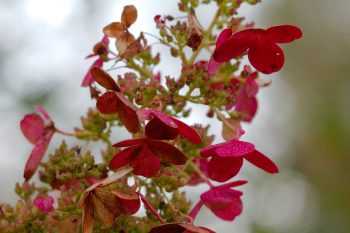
x=64, y=133
x=223, y=119
x=202, y=175
x=150, y=207
x=195, y=210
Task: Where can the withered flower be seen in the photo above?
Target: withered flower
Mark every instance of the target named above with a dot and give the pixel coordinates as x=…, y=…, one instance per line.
x=97, y=202
x=195, y=31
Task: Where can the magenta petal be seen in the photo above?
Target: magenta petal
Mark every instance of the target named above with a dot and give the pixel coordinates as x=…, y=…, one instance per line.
x=88, y=79
x=167, y=152
x=122, y=158
x=232, y=184
x=156, y=129
x=223, y=36
x=37, y=155
x=224, y=203
x=261, y=161
x=145, y=114
x=107, y=103
x=44, y=204
x=209, y=151
x=32, y=126
x=188, y=132
x=251, y=88
x=266, y=57
x=247, y=107
x=131, y=142
x=222, y=169
x=283, y=33
x=145, y=163
x=234, y=148
x=43, y=112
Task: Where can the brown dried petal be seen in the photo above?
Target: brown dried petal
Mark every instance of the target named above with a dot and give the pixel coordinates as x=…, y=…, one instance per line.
x=129, y=15
x=104, y=79
x=88, y=216
x=133, y=49
x=123, y=42
x=114, y=30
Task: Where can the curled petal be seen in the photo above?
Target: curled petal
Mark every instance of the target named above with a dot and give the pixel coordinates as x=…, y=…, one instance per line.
x=223, y=36
x=88, y=79
x=167, y=152
x=37, y=155
x=283, y=33
x=266, y=57
x=107, y=103
x=222, y=169
x=164, y=118
x=187, y=132
x=104, y=79
x=261, y=161
x=32, y=127
x=43, y=112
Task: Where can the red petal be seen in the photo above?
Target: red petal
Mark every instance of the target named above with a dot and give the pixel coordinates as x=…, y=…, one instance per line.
x=223, y=36
x=168, y=228
x=283, y=33
x=266, y=56
x=213, y=66
x=43, y=112
x=37, y=155
x=88, y=79
x=145, y=114
x=209, y=151
x=224, y=203
x=164, y=118
x=127, y=114
x=261, y=161
x=131, y=142
x=188, y=132
x=222, y=169
x=167, y=152
x=232, y=184
x=156, y=129
x=122, y=158
x=251, y=88
x=145, y=163
x=107, y=103
x=234, y=148
x=130, y=201
x=32, y=126
x=237, y=44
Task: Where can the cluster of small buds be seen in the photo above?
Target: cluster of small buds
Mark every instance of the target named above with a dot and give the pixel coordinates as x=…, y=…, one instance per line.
x=162, y=153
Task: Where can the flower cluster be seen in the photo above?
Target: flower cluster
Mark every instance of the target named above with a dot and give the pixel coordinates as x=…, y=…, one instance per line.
x=160, y=153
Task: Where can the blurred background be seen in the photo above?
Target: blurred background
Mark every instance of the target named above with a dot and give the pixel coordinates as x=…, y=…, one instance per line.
x=303, y=122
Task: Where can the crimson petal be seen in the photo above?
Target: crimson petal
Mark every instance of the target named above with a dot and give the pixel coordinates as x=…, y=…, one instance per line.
x=261, y=161
x=127, y=114
x=246, y=106
x=122, y=158
x=156, y=129
x=222, y=169
x=167, y=152
x=188, y=132
x=104, y=79
x=283, y=33
x=32, y=127
x=234, y=148
x=145, y=163
x=107, y=103
x=131, y=142
x=88, y=79
x=266, y=56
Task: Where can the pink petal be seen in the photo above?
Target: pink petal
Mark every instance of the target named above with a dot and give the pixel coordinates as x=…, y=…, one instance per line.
x=213, y=66
x=44, y=204
x=167, y=152
x=145, y=114
x=234, y=148
x=222, y=169
x=209, y=151
x=91, y=55
x=251, y=88
x=156, y=129
x=122, y=158
x=283, y=33
x=88, y=79
x=105, y=41
x=187, y=132
x=237, y=44
x=232, y=184
x=145, y=163
x=131, y=142
x=37, y=154
x=261, y=161
x=246, y=106
x=108, y=103
x=43, y=112
x=224, y=203
x=266, y=57
x=32, y=126
x=127, y=114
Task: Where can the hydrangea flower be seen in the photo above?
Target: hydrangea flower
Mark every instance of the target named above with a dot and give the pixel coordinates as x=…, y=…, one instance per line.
x=227, y=159
x=164, y=127
x=263, y=53
x=44, y=204
x=39, y=131
x=144, y=154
